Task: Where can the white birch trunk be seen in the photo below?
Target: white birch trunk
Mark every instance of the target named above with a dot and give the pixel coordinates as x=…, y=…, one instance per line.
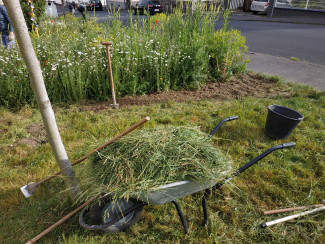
x=37, y=83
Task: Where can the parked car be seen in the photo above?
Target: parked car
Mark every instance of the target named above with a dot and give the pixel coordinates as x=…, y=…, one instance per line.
x=283, y=4
x=145, y=6
x=260, y=6
x=94, y=4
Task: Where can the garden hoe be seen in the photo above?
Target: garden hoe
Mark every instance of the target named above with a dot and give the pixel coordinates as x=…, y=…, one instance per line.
x=39, y=236
x=29, y=189
x=284, y=210
x=107, y=44
x=281, y=220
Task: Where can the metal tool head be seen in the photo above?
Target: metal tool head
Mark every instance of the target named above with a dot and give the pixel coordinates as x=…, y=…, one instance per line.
x=28, y=190
x=115, y=106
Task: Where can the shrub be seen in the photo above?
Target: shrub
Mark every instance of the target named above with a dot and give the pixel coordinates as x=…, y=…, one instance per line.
x=227, y=51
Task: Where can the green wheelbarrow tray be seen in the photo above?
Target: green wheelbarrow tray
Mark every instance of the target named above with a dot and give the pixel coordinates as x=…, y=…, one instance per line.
x=118, y=216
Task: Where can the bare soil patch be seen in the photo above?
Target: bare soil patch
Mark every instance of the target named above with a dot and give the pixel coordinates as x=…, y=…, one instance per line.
x=241, y=86
x=37, y=132
x=37, y=136
x=28, y=141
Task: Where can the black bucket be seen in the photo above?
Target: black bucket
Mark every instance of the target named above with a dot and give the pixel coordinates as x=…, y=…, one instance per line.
x=281, y=121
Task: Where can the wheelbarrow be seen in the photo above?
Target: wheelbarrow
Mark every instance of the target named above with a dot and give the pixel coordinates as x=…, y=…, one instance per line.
x=116, y=216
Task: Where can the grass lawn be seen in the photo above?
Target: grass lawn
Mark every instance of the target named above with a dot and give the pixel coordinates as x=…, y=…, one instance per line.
x=286, y=178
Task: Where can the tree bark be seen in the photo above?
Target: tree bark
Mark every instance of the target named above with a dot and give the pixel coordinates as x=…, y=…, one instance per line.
x=37, y=83
x=128, y=4
x=63, y=6
x=247, y=5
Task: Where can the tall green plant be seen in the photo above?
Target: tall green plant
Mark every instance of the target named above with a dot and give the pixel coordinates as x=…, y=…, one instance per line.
x=155, y=53
x=227, y=51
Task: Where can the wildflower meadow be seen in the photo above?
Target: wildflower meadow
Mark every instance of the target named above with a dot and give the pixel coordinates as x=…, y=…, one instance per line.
x=156, y=53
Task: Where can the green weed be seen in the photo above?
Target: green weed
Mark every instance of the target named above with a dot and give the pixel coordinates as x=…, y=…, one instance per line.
x=294, y=59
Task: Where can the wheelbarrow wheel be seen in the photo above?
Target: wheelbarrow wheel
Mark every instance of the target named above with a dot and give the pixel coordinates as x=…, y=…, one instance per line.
x=105, y=210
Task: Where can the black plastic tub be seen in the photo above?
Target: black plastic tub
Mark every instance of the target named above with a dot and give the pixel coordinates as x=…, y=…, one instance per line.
x=281, y=121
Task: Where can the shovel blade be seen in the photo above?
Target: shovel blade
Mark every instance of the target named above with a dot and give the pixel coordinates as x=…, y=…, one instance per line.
x=115, y=106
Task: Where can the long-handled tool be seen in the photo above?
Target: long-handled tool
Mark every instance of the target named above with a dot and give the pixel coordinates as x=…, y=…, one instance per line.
x=277, y=221
x=30, y=188
x=107, y=44
x=39, y=236
x=284, y=210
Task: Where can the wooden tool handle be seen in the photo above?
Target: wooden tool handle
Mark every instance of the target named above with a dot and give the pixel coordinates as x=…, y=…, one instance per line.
x=130, y=129
x=107, y=43
x=283, y=210
x=277, y=221
x=39, y=236
x=133, y=127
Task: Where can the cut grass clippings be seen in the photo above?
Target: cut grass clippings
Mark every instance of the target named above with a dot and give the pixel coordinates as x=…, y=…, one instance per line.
x=143, y=161
x=285, y=178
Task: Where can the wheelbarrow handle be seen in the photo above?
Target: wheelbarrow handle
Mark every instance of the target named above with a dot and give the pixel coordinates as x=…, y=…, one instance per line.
x=288, y=144
x=263, y=155
x=252, y=162
x=220, y=123
x=239, y=171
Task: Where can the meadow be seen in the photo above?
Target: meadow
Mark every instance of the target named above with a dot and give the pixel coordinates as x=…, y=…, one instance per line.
x=286, y=178
x=155, y=53
x=74, y=67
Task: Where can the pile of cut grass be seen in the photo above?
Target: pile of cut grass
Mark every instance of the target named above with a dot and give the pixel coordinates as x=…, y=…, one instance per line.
x=147, y=159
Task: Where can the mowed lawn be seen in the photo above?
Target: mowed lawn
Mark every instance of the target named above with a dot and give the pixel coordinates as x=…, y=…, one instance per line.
x=286, y=178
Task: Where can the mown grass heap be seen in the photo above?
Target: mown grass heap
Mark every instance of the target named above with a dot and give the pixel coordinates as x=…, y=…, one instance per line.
x=149, y=158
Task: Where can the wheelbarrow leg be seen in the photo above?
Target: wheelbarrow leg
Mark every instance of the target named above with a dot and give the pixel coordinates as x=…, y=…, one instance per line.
x=205, y=209
x=238, y=172
x=181, y=215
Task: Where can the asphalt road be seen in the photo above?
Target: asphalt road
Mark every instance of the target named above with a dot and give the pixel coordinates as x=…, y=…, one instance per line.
x=291, y=50
x=305, y=42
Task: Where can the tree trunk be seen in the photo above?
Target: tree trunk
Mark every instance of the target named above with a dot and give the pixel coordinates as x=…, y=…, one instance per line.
x=63, y=6
x=247, y=5
x=128, y=4
x=37, y=83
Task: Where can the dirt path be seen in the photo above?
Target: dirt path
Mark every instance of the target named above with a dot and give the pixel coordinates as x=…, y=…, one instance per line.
x=245, y=85
x=253, y=85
